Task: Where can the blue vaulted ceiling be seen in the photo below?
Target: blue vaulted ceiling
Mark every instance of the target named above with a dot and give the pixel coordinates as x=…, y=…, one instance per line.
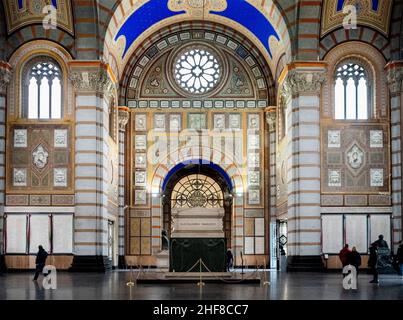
x=239, y=11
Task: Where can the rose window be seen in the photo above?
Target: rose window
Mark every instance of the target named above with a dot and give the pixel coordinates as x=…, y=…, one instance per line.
x=197, y=71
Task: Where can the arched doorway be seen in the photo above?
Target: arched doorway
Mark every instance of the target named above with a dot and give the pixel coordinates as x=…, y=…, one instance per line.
x=197, y=215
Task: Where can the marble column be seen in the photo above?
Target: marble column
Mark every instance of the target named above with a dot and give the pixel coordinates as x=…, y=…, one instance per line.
x=395, y=77
x=303, y=82
x=271, y=119
x=5, y=77
x=123, y=120
x=93, y=88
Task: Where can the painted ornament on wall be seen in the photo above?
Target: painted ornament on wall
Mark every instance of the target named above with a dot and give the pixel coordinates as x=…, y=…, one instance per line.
x=40, y=157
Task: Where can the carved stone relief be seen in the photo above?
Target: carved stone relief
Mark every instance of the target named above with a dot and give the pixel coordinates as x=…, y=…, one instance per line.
x=60, y=177
x=376, y=177
x=20, y=138
x=141, y=122
x=60, y=138
x=140, y=197
x=355, y=157
x=20, y=177
x=40, y=157
x=235, y=121
x=334, y=138
x=376, y=138
x=334, y=178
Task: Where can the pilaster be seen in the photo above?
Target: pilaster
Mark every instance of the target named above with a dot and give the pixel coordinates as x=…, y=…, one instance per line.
x=303, y=84
x=395, y=77
x=5, y=78
x=123, y=120
x=93, y=88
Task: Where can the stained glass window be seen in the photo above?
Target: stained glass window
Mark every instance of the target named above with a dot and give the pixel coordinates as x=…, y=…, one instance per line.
x=197, y=71
x=197, y=190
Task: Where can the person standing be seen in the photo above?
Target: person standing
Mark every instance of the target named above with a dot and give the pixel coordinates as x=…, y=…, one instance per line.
x=400, y=257
x=373, y=262
x=354, y=258
x=40, y=261
x=343, y=254
x=229, y=259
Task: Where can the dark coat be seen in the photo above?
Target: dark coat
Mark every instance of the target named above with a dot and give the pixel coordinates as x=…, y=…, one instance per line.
x=41, y=257
x=400, y=254
x=373, y=257
x=354, y=258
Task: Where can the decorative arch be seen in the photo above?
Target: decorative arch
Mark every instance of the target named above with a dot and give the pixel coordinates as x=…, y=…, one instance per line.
x=22, y=57
x=161, y=176
x=128, y=28
x=373, y=60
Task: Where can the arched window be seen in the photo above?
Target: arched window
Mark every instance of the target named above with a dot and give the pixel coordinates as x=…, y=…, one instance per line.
x=43, y=89
x=352, y=92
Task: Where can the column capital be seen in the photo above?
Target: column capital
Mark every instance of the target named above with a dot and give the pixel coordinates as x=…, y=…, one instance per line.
x=271, y=117
x=5, y=76
x=123, y=117
x=91, y=76
x=305, y=82
x=394, y=76
x=305, y=78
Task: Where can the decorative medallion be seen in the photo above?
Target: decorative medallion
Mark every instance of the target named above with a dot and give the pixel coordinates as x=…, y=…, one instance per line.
x=40, y=157
x=355, y=157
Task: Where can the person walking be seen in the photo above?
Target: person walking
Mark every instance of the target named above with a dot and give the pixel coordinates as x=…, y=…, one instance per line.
x=400, y=257
x=343, y=255
x=229, y=259
x=373, y=262
x=40, y=261
x=354, y=258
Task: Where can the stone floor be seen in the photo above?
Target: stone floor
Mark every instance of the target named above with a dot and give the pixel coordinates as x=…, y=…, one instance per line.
x=283, y=286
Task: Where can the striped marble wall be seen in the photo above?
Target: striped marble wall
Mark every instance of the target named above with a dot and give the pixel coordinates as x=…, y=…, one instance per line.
x=303, y=178
x=395, y=77
x=5, y=74
x=91, y=160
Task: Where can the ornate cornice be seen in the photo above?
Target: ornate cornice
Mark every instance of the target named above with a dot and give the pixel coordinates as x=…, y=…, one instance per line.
x=271, y=118
x=304, y=81
x=123, y=116
x=5, y=76
x=394, y=77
